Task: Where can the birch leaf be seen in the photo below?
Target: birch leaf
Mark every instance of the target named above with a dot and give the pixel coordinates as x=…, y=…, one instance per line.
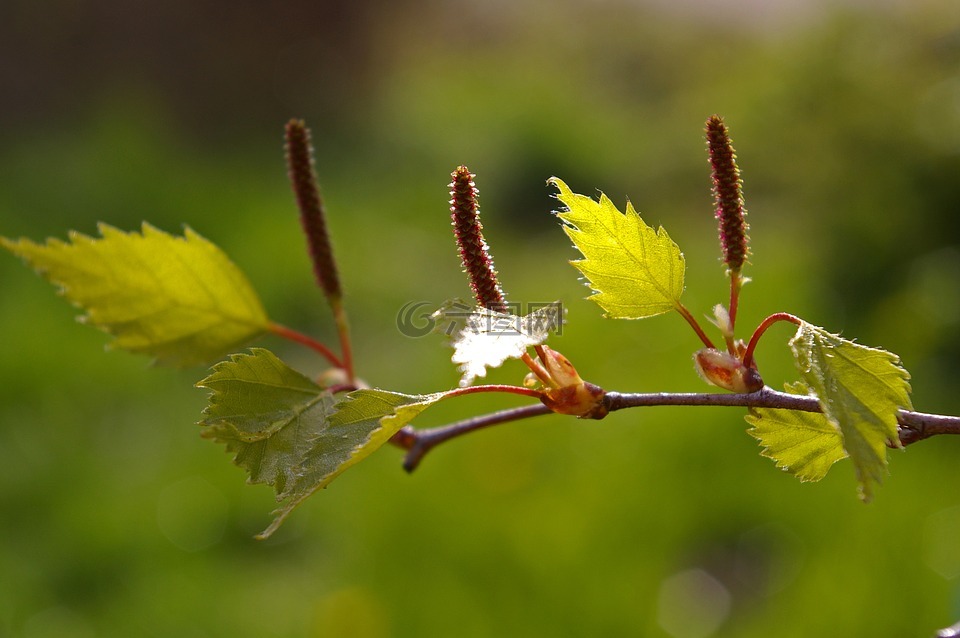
x=805, y=444
x=634, y=270
x=291, y=434
x=179, y=299
x=860, y=389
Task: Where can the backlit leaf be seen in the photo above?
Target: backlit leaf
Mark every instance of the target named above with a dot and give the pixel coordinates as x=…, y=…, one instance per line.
x=636, y=271
x=289, y=433
x=266, y=414
x=860, y=389
x=489, y=338
x=364, y=420
x=179, y=299
x=806, y=444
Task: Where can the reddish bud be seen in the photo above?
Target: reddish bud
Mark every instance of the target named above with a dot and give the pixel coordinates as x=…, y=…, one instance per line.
x=569, y=393
x=724, y=370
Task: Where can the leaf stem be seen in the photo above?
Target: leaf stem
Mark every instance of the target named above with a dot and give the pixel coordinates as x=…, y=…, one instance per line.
x=766, y=323
x=313, y=344
x=694, y=324
x=509, y=389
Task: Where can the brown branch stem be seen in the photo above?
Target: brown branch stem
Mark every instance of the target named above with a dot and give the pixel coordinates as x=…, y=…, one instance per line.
x=913, y=426
x=418, y=442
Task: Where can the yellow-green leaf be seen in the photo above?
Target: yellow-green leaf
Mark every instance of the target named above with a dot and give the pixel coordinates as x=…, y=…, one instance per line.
x=805, y=444
x=635, y=271
x=179, y=299
x=860, y=389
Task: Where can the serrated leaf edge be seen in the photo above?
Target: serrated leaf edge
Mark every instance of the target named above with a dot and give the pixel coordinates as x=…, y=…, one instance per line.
x=387, y=428
x=671, y=302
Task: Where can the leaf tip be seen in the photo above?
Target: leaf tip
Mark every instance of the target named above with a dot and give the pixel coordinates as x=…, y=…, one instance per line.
x=106, y=230
x=564, y=193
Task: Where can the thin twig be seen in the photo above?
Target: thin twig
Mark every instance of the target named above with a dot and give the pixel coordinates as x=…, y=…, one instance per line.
x=913, y=426
x=764, y=398
x=419, y=442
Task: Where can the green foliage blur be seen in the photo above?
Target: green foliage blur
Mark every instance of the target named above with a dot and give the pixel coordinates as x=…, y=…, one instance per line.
x=118, y=520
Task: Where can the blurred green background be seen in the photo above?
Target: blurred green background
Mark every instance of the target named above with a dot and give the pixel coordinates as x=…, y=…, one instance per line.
x=118, y=520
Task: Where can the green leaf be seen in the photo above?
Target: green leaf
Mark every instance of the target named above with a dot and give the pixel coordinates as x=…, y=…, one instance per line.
x=806, y=444
x=860, y=389
x=636, y=271
x=179, y=299
x=489, y=338
x=266, y=414
x=288, y=432
x=364, y=420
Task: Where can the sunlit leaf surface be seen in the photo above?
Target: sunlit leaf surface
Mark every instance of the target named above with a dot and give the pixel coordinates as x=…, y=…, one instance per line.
x=860, y=390
x=636, y=271
x=805, y=444
x=179, y=299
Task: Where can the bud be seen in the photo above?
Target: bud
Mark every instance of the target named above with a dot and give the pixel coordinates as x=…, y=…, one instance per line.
x=722, y=320
x=726, y=371
x=558, y=367
x=569, y=393
x=474, y=252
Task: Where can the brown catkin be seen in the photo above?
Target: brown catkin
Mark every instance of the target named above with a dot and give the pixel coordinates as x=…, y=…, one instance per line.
x=728, y=195
x=474, y=253
x=303, y=178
